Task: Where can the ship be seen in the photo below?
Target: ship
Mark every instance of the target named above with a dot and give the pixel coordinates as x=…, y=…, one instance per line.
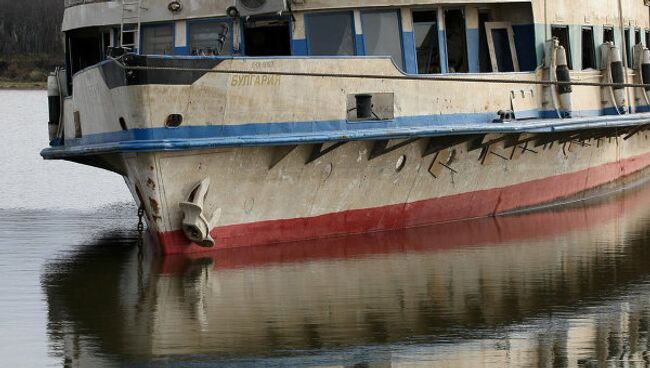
x=250, y=122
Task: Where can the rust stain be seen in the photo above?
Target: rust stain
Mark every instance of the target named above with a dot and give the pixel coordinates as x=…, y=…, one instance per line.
x=155, y=207
x=151, y=184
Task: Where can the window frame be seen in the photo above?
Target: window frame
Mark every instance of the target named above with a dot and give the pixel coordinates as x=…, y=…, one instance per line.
x=231, y=33
x=398, y=12
x=489, y=27
x=354, y=31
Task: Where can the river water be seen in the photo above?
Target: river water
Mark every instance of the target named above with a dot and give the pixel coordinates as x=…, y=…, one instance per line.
x=568, y=286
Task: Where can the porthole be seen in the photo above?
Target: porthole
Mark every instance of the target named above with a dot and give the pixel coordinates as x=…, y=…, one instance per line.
x=174, y=120
x=401, y=162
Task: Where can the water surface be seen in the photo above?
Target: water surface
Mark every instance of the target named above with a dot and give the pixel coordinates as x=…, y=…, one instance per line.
x=568, y=286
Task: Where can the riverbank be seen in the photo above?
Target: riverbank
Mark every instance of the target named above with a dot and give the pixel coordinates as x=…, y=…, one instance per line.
x=12, y=84
x=27, y=71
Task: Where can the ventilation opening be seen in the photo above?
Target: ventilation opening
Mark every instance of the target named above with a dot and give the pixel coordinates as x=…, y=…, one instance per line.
x=123, y=124
x=364, y=106
x=370, y=106
x=456, y=41
x=562, y=34
x=267, y=38
x=588, y=49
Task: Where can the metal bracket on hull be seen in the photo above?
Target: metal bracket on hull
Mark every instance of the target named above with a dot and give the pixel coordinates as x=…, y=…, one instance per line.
x=442, y=160
x=318, y=151
x=279, y=153
x=438, y=144
x=636, y=130
x=380, y=148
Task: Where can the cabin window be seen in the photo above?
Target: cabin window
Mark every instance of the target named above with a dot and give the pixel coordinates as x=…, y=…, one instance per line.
x=647, y=38
x=158, y=40
x=588, y=49
x=456, y=41
x=637, y=37
x=381, y=35
x=608, y=35
x=425, y=28
x=485, y=64
x=210, y=38
x=330, y=33
x=502, y=47
x=267, y=37
x=562, y=34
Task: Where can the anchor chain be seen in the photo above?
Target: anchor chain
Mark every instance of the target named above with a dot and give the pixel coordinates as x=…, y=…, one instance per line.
x=140, y=228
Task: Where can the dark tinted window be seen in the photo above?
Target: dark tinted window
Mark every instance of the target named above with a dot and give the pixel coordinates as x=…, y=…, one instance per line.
x=483, y=49
x=456, y=41
x=502, y=50
x=425, y=27
x=628, y=48
x=608, y=35
x=588, y=49
x=330, y=34
x=267, y=37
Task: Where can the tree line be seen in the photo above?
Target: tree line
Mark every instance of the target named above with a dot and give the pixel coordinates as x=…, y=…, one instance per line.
x=29, y=27
x=31, y=43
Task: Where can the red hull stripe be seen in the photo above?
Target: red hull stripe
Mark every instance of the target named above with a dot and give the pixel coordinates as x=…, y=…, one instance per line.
x=442, y=209
x=516, y=230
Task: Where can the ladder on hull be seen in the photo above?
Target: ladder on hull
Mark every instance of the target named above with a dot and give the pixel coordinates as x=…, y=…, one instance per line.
x=130, y=25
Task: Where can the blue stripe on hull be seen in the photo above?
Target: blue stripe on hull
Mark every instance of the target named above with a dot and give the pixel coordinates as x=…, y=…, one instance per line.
x=261, y=134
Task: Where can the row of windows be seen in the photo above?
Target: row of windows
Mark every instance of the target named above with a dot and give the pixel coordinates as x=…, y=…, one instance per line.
x=205, y=38
x=334, y=34
x=589, y=47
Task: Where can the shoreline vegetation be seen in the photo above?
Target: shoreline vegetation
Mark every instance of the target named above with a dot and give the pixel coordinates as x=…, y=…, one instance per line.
x=11, y=84
x=27, y=71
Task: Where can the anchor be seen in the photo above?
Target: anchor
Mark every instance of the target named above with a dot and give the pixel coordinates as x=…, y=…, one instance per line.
x=196, y=225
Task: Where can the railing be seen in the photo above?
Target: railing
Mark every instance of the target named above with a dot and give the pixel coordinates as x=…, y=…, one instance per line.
x=69, y=3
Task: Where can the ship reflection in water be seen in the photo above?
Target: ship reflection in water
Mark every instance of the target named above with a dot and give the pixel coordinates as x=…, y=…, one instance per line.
x=567, y=287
